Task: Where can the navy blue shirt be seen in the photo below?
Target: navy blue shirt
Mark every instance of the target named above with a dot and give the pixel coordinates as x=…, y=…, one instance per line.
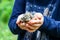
x=51, y=26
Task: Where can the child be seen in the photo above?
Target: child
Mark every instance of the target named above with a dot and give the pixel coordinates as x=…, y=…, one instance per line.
x=48, y=25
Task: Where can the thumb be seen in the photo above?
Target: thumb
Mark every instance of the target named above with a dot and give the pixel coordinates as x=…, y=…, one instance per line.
x=19, y=19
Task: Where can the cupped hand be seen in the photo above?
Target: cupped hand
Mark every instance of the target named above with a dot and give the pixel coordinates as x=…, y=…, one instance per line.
x=35, y=23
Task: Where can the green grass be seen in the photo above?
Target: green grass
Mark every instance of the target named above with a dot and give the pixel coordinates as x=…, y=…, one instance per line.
x=5, y=33
x=5, y=12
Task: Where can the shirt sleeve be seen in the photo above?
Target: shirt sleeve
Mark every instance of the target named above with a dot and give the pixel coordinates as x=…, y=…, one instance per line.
x=19, y=8
x=51, y=26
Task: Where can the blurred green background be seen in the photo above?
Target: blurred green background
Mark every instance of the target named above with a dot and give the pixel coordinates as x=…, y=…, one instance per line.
x=6, y=7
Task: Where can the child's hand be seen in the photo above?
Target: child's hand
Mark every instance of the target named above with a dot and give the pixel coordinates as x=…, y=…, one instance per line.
x=35, y=23
x=20, y=24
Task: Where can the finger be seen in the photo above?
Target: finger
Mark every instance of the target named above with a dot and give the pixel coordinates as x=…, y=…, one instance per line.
x=29, y=26
x=38, y=15
x=36, y=25
x=37, y=21
x=21, y=25
x=29, y=30
x=35, y=18
x=34, y=22
x=18, y=21
x=19, y=18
